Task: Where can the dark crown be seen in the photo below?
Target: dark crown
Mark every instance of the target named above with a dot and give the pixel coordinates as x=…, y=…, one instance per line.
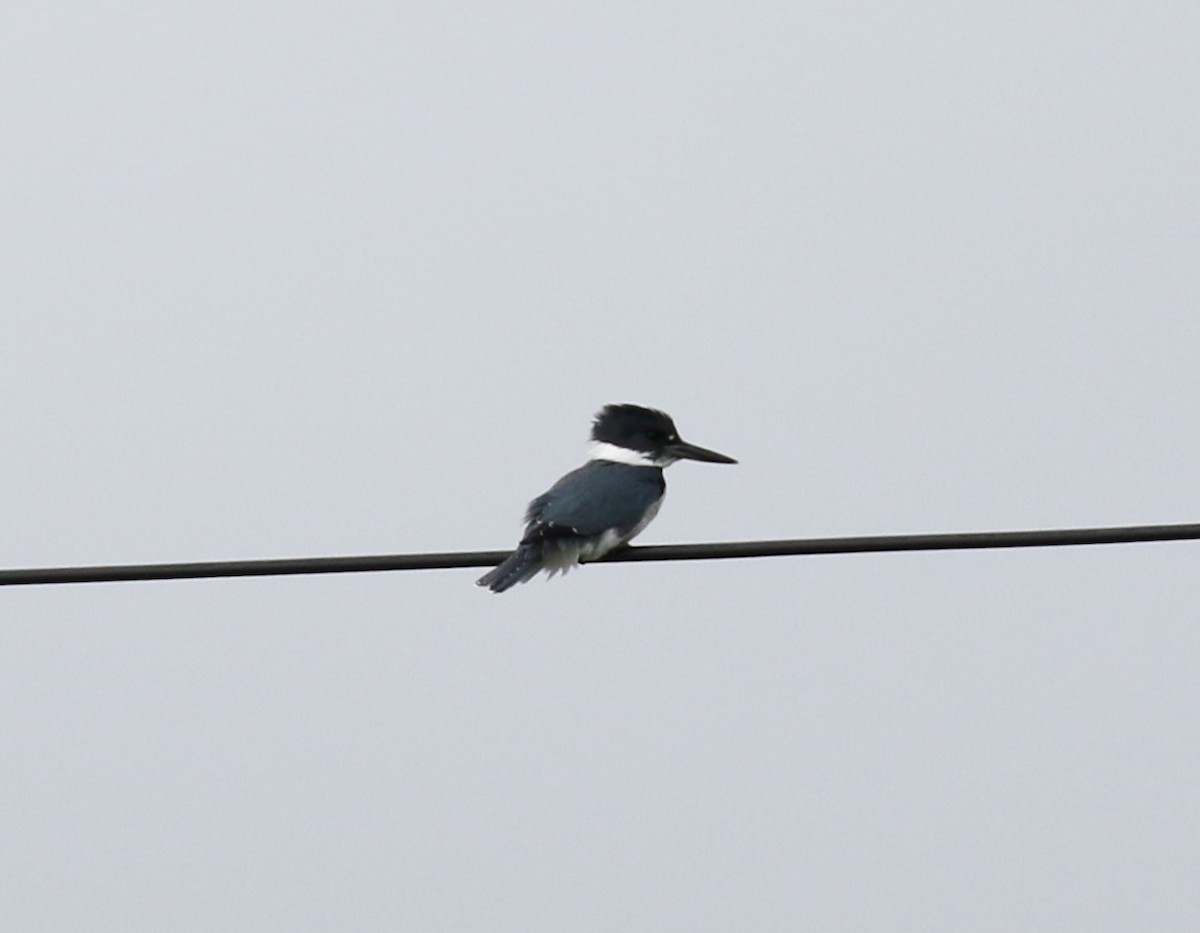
x=634, y=427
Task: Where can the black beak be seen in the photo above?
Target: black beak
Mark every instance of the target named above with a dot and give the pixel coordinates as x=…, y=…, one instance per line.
x=685, y=451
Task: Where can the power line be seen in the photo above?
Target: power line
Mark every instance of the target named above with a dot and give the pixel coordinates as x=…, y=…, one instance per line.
x=721, y=550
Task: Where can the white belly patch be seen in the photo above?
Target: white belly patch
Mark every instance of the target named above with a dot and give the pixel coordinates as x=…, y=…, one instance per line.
x=566, y=554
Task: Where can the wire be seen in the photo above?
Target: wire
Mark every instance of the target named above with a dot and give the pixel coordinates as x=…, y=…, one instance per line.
x=730, y=549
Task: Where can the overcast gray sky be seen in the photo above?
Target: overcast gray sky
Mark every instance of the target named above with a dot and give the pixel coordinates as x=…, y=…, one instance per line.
x=301, y=279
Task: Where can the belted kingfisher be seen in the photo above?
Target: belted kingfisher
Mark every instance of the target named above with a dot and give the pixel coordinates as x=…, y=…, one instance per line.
x=606, y=502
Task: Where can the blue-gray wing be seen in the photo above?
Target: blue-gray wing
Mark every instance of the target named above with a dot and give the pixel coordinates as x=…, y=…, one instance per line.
x=598, y=496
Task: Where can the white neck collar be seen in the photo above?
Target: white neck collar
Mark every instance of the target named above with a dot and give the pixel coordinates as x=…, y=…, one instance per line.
x=614, y=454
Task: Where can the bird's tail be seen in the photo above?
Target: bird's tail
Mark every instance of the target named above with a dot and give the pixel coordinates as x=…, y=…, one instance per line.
x=521, y=565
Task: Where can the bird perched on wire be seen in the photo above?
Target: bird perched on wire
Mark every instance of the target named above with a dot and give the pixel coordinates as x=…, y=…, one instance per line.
x=606, y=502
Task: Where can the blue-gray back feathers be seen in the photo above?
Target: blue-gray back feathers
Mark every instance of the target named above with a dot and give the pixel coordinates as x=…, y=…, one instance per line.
x=586, y=513
x=597, y=496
